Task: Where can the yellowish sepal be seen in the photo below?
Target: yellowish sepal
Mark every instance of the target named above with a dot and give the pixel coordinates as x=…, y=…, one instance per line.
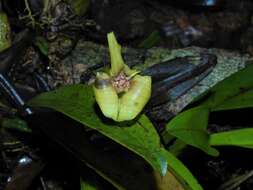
x=117, y=63
x=106, y=98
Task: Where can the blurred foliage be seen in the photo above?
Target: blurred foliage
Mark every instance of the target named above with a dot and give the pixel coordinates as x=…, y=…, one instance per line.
x=79, y=6
x=42, y=44
x=16, y=124
x=5, y=32
x=190, y=126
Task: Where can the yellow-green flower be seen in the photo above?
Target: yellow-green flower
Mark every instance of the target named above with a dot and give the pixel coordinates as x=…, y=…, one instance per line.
x=121, y=93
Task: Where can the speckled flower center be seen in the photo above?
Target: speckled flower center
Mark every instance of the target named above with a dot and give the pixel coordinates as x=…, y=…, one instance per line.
x=121, y=82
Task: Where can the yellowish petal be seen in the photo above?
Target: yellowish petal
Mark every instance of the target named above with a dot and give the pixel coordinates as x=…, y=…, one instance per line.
x=133, y=101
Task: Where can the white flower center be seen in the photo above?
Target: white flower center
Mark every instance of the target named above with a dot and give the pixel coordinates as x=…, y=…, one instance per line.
x=121, y=82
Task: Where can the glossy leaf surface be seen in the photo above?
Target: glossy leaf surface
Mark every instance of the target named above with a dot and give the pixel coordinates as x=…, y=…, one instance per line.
x=233, y=92
x=78, y=103
x=190, y=127
x=178, y=168
x=239, y=137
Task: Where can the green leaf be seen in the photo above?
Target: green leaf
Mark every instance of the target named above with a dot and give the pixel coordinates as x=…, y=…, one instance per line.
x=87, y=185
x=108, y=178
x=242, y=100
x=15, y=123
x=77, y=102
x=233, y=92
x=181, y=172
x=177, y=147
x=42, y=44
x=151, y=40
x=239, y=137
x=190, y=127
x=79, y=6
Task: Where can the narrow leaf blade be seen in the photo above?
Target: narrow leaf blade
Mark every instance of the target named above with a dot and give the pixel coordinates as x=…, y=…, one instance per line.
x=239, y=137
x=233, y=92
x=181, y=171
x=243, y=100
x=87, y=185
x=190, y=127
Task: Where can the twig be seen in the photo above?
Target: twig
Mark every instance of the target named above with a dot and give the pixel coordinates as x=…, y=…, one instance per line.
x=30, y=13
x=46, y=5
x=235, y=182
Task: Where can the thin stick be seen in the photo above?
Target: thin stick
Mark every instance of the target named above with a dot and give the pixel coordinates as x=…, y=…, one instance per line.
x=30, y=13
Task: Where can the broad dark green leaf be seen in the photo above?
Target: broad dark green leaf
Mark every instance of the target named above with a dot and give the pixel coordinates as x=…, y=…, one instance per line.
x=114, y=163
x=181, y=172
x=233, y=92
x=77, y=102
x=120, y=170
x=190, y=127
x=239, y=137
